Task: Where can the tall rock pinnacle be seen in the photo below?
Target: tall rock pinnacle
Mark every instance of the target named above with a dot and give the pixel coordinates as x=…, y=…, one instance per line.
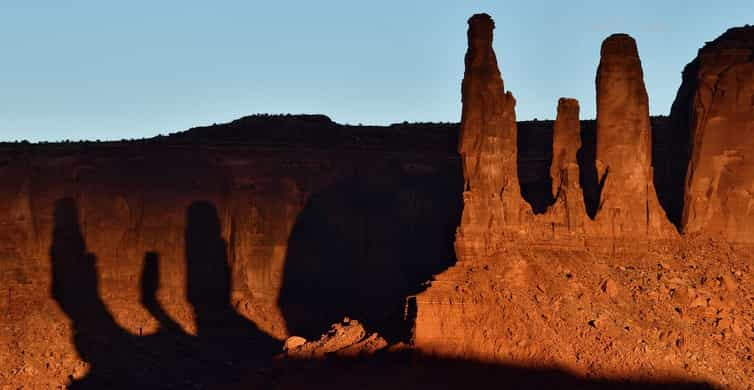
x=492, y=196
x=629, y=205
x=564, y=170
x=566, y=141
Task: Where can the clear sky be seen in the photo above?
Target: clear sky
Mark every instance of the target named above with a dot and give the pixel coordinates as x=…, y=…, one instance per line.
x=96, y=69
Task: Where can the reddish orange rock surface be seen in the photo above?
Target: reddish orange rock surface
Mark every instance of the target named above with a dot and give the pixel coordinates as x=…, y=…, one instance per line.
x=629, y=299
x=184, y=261
x=493, y=206
x=715, y=107
x=564, y=170
x=628, y=205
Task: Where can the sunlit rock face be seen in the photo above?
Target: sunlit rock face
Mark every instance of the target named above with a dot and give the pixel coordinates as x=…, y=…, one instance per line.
x=564, y=170
x=715, y=107
x=314, y=228
x=628, y=204
x=493, y=206
x=566, y=141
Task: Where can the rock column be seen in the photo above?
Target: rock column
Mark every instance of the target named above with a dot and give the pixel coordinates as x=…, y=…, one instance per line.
x=493, y=206
x=628, y=204
x=564, y=170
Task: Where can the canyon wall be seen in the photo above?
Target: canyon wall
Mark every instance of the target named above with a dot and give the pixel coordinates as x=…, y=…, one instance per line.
x=309, y=234
x=714, y=116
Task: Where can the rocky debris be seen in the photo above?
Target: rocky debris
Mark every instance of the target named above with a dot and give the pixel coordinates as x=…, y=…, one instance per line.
x=683, y=311
x=628, y=205
x=346, y=339
x=493, y=206
x=609, y=288
x=714, y=109
x=293, y=342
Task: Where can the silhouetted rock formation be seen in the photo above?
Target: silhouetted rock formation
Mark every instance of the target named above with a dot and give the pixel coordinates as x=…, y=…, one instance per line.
x=714, y=109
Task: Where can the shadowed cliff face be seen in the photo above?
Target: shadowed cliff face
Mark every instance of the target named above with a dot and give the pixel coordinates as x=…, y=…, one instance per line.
x=713, y=118
x=534, y=145
x=362, y=244
x=298, y=219
x=224, y=346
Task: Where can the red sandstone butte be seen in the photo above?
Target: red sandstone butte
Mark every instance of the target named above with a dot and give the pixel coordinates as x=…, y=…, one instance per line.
x=581, y=305
x=715, y=107
x=628, y=205
x=493, y=205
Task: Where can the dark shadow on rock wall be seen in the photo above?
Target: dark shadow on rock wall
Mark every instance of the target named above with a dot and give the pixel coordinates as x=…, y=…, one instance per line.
x=672, y=140
x=591, y=185
x=225, y=348
x=670, y=157
x=224, y=333
x=363, y=244
x=534, y=159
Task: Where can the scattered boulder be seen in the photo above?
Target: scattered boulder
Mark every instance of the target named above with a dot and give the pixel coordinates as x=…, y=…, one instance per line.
x=293, y=342
x=346, y=339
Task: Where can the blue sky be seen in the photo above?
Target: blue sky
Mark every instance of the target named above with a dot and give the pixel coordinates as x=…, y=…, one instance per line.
x=109, y=70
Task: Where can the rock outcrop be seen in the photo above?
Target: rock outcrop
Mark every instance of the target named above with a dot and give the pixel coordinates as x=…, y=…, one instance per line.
x=495, y=213
x=714, y=109
x=493, y=206
x=628, y=206
x=564, y=169
x=540, y=301
x=345, y=339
